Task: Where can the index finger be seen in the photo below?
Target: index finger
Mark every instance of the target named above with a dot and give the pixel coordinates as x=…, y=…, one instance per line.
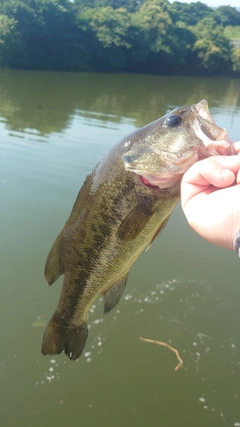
x=237, y=147
x=217, y=171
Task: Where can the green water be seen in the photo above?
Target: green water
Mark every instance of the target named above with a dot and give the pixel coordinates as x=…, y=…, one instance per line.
x=54, y=128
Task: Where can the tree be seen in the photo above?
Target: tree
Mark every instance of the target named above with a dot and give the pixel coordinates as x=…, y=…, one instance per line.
x=48, y=36
x=130, y=5
x=235, y=57
x=8, y=38
x=6, y=27
x=190, y=13
x=182, y=43
x=212, y=46
x=226, y=15
x=154, y=22
x=111, y=26
x=151, y=36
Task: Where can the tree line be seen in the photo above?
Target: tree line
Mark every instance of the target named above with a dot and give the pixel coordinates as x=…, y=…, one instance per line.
x=147, y=36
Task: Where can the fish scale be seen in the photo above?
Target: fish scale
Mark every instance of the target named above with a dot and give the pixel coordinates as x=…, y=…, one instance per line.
x=121, y=208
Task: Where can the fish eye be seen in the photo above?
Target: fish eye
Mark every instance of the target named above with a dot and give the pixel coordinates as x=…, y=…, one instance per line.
x=173, y=120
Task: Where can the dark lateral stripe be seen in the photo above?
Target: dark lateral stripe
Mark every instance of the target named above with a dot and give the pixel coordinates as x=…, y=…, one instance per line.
x=88, y=252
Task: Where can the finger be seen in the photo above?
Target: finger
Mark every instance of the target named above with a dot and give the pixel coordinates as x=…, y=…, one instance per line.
x=237, y=147
x=220, y=174
x=218, y=171
x=237, y=150
x=213, y=170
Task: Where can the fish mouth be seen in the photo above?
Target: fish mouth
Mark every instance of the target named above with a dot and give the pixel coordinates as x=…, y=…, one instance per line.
x=214, y=138
x=172, y=174
x=161, y=168
x=147, y=184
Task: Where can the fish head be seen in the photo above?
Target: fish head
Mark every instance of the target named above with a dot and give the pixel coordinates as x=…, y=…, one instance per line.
x=161, y=152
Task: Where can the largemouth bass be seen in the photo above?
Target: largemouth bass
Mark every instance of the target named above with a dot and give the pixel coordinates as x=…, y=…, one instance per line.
x=122, y=206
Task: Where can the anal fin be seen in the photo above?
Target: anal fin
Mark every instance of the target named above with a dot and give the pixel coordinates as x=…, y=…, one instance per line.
x=112, y=295
x=53, y=268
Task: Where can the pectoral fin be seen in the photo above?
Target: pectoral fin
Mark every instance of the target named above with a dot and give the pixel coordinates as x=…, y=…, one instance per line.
x=134, y=223
x=53, y=267
x=159, y=230
x=113, y=294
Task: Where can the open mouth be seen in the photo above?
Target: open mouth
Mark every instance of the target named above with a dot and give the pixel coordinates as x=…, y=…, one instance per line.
x=147, y=184
x=162, y=181
x=161, y=166
x=214, y=138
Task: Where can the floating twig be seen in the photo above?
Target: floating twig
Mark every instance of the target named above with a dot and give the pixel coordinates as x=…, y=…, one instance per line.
x=165, y=344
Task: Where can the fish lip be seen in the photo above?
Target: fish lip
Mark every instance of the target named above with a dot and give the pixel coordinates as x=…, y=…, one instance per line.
x=214, y=138
x=166, y=185
x=201, y=109
x=145, y=183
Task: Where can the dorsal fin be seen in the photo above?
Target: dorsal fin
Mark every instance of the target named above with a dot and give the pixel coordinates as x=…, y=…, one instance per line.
x=112, y=295
x=53, y=267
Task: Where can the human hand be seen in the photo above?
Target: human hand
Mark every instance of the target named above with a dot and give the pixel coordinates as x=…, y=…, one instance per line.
x=210, y=197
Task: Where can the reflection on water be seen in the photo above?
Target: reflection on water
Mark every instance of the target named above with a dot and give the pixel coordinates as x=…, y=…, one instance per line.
x=48, y=102
x=54, y=128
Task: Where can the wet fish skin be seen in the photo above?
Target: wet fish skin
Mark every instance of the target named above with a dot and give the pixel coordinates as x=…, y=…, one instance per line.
x=116, y=215
x=99, y=255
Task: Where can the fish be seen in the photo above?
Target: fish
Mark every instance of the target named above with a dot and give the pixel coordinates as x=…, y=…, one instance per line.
x=123, y=205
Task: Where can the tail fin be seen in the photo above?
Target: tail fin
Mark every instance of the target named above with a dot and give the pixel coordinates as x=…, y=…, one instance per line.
x=58, y=338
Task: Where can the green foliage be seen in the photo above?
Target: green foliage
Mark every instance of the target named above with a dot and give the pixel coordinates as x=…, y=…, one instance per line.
x=7, y=36
x=232, y=32
x=130, y=5
x=189, y=13
x=47, y=34
x=111, y=26
x=151, y=36
x=182, y=46
x=154, y=24
x=6, y=27
x=236, y=60
x=226, y=15
x=212, y=46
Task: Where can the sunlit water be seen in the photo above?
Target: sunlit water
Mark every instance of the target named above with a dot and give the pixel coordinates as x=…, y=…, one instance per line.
x=54, y=128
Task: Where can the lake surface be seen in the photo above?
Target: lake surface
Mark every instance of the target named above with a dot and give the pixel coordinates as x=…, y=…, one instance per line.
x=54, y=128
